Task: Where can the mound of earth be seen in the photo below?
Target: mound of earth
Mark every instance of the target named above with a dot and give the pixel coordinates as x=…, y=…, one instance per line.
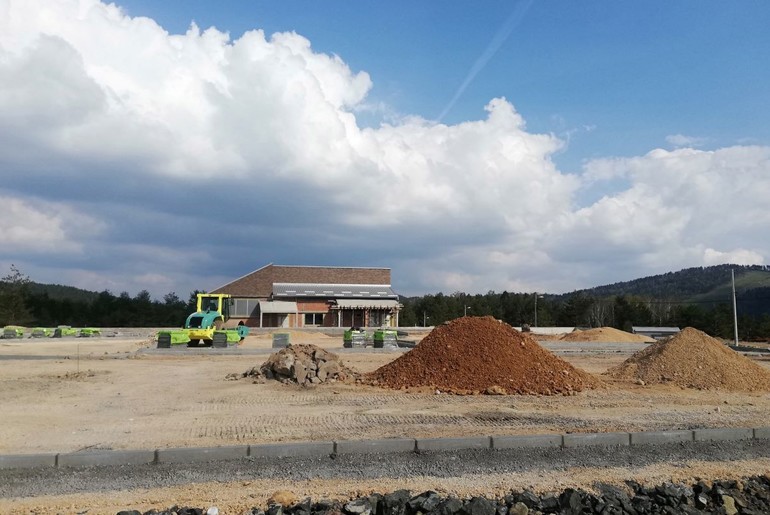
x=305, y=365
x=482, y=355
x=693, y=359
x=606, y=334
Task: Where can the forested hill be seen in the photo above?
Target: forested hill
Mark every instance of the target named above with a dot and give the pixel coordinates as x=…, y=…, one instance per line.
x=60, y=292
x=691, y=284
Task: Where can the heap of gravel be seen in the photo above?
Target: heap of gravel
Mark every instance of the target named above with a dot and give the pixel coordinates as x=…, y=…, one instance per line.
x=693, y=359
x=605, y=334
x=472, y=355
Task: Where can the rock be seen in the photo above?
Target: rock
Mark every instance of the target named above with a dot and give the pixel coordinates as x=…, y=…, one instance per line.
x=212, y=511
x=359, y=506
x=299, y=373
x=450, y=506
x=518, y=509
x=728, y=503
x=283, y=365
x=395, y=503
x=479, y=506
x=529, y=499
x=425, y=502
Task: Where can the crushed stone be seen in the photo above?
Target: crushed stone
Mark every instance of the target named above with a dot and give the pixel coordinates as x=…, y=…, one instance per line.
x=693, y=359
x=605, y=334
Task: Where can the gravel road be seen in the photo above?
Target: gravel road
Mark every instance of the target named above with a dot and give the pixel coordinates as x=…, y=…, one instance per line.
x=458, y=464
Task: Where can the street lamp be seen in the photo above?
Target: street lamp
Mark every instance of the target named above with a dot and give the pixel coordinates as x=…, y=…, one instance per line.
x=425, y=319
x=536, y=296
x=465, y=312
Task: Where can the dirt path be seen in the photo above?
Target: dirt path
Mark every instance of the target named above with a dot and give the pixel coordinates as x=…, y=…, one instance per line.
x=118, y=393
x=114, y=398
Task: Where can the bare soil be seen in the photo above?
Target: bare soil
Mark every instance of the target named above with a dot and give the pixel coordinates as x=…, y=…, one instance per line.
x=119, y=393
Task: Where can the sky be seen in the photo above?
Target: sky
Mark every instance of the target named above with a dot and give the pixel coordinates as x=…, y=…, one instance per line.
x=513, y=145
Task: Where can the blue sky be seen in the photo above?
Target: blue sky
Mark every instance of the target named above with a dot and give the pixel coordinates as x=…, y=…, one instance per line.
x=581, y=143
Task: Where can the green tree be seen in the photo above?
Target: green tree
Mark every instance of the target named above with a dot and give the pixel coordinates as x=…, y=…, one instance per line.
x=14, y=292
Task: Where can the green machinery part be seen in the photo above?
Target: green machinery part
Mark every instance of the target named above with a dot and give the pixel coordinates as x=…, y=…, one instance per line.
x=88, y=332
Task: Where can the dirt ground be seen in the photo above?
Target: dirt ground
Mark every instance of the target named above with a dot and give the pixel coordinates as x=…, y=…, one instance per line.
x=69, y=395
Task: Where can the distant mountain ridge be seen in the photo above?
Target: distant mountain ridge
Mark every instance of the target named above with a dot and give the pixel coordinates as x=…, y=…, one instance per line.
x=698, y=284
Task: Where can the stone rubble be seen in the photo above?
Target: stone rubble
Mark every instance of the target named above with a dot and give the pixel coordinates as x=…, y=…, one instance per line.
x=749, y=496
x=303, y=364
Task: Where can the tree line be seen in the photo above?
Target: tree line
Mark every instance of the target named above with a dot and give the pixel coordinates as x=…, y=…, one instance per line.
x=21, y=304
x=587, y=311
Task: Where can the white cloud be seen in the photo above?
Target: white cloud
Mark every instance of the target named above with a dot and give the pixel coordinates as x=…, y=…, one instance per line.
x=107, y=110
x=734, y=257
x=680, y=140
x=35, y=226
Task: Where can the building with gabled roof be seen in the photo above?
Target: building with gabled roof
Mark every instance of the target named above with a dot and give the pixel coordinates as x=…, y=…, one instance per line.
x=313, y=296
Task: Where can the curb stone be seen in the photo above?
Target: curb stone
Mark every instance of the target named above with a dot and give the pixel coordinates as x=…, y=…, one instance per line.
x=375, y=446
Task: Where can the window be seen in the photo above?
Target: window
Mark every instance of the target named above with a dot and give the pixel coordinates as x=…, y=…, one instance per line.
x=314, y=319
x=244, y=307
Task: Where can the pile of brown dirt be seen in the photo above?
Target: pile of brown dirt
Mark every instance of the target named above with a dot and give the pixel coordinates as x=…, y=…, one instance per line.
x=305, y=365
x=482, y=355
x=606, y=334
x=693, y=359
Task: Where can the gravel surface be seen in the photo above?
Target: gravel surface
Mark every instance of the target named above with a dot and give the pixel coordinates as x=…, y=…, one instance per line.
x=53, y=481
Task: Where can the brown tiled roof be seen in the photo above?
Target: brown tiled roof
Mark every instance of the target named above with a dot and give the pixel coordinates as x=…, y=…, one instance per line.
x=259, y=283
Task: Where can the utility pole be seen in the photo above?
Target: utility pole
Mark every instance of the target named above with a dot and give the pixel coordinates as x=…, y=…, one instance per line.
x=735, y=310
x=535, y=310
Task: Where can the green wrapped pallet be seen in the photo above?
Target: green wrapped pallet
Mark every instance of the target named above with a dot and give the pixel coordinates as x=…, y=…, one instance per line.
x=354, y=338
x=385, y=338
x=42, y=332
x=13, y=331
x=88, y=332
x=65, y=330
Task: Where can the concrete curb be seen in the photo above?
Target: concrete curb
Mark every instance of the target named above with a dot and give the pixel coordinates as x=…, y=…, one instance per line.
x=728, y=433
x=27, y=461
x=453, y=444
x=198, y=454
x=375, y=446
x=382, y=446
x=527, y=441
x=603, y=439
x=91, y=458
x=661, y=437
x=291, y=450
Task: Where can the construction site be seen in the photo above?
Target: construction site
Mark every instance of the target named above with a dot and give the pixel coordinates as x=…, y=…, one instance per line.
x=474, y=377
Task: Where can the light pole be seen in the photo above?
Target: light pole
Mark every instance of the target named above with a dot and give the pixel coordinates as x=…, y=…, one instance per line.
x=425, y=319
x=536, y=296
x=465, y=311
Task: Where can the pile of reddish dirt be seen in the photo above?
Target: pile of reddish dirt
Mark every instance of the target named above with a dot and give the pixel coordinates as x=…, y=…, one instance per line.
x=693, y=359
x=605, y=334
x=482, y=355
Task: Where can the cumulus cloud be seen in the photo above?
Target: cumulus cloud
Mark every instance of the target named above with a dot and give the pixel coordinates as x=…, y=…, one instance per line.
x=188, y=159
x=32, y=226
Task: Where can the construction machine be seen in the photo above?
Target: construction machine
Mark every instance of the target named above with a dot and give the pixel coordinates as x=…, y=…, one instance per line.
x=206, y=325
